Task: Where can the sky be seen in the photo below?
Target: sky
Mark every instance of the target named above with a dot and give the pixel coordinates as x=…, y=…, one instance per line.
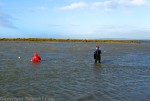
x=75, y=19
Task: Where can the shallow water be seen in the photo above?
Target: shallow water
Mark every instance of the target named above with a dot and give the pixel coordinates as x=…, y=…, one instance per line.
x=67, y=72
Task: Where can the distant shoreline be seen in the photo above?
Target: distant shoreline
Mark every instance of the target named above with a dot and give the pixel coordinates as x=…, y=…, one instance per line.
x=69, y=40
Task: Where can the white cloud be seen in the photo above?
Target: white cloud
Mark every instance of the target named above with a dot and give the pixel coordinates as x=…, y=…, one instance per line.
x=130, y=2
x=107, y=4
x=147, y=27
x=74, y=6
x=110, y=3
x=138, y=2
x=96, y=4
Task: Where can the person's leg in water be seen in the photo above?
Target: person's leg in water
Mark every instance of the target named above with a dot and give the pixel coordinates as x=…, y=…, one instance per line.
x=100, y=59
x=95, y=61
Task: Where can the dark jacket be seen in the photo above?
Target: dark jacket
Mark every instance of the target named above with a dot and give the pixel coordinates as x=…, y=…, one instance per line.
x=97, y=53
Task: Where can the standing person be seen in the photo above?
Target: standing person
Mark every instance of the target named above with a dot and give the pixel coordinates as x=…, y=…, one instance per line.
x=97, y=54
x=36, y=58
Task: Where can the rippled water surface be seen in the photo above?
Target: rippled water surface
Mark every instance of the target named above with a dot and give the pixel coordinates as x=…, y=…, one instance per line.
x=67, y=71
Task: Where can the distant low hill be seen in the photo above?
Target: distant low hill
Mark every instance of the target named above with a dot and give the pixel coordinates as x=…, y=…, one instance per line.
x=68, y=40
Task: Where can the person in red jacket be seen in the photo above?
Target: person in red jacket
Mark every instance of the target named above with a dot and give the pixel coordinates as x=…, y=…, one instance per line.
x=36, y=58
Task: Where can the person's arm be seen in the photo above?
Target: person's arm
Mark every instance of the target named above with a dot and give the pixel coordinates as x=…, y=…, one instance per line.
x=95, y=54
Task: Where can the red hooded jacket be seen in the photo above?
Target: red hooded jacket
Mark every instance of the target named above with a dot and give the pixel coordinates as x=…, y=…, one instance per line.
x=36, y=58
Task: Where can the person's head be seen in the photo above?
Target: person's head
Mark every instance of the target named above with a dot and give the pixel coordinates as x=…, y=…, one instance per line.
x=97, y=47
x=35, y=54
